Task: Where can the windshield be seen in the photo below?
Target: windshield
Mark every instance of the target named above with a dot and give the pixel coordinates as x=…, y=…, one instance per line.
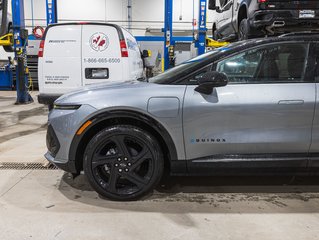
x=185, y=67
x=189, y=66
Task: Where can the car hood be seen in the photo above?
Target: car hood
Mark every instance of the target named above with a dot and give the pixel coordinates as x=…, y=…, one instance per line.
x=72, y=96
x=130, y=94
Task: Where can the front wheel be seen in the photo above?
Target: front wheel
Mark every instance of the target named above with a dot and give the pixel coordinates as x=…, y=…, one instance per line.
x=243, y=31
x=123, y=162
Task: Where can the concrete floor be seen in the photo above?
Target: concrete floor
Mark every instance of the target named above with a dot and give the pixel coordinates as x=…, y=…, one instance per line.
x=49, y=204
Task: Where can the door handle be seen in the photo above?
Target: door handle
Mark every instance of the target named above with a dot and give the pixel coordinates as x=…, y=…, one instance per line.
x=291, y=102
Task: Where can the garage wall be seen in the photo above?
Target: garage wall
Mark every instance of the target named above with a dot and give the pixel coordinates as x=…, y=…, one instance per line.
x=145, y=13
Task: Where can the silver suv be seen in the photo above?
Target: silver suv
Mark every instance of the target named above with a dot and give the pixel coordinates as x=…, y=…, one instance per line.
x=248, y=108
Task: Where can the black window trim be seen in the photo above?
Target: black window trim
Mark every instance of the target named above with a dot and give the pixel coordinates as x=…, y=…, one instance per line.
x=309, y=74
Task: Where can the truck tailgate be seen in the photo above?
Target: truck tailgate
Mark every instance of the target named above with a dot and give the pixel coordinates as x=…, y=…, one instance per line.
x=288, y=4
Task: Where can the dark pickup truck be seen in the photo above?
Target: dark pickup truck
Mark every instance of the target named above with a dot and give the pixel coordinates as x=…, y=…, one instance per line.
x=242, y=19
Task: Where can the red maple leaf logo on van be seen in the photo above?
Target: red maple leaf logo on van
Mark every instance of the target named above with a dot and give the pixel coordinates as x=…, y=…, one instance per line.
x=96, y=40
x=102, y=43
x=99, y=42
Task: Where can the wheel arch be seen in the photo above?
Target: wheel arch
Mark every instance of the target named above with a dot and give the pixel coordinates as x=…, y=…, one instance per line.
x=129, y=117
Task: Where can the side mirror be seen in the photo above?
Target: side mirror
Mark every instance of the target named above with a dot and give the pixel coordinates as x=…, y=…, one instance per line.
x=210, y=80
x=212, y=4
x=146, y=53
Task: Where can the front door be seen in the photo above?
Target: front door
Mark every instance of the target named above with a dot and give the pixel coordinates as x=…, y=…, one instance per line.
x=267, y=107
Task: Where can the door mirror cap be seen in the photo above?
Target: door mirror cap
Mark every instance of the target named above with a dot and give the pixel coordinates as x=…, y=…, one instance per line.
x=210, y=80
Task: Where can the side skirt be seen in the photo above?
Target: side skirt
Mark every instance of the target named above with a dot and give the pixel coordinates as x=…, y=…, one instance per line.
x=250, y=164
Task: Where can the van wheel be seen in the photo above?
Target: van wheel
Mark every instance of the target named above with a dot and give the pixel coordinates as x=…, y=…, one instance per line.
x=243, y=31
x=123, y=162
x=8, y=48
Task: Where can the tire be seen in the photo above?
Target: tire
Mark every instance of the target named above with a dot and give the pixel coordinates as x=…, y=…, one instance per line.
x=243, y=30
x=123, y=162
x=4, y=18
x=8, y=48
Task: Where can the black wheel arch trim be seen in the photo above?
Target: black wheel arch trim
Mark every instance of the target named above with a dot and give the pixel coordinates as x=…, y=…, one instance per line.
x=124, y=114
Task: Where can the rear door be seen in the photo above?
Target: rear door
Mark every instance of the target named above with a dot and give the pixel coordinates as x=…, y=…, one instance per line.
x=60, y=66
x=220, y=20
x=228, y=15
x=101, y=55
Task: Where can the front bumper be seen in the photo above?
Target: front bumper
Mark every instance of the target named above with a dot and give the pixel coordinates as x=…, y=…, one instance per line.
x=266, y=18
x=53, y=146
x=62, y=127
x=68, y=166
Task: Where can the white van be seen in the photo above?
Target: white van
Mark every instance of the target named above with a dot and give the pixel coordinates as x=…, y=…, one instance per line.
x=78, y=54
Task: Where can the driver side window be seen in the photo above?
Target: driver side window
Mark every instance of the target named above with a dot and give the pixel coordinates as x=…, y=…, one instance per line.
x=198, y=75
x=241, y=67
x=278, y=63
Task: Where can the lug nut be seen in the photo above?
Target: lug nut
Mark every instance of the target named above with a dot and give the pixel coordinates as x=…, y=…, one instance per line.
x=116, y=165
x=119, y=159
x=126, y=169
x=125, y=159
x=129, y=164
x=120, y=170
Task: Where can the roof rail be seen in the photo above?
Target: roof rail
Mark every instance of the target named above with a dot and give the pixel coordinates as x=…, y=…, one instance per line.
x=312, y=32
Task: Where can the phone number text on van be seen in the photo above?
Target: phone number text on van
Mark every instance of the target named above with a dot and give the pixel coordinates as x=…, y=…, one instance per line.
x=102, y=60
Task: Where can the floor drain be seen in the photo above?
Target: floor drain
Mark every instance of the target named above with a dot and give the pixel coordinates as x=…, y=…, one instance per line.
x=26, y=166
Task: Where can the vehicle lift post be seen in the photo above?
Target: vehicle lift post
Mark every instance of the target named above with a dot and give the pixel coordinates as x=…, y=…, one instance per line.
x=52, y=11
x=168, y=30
x=20, y=39
x=201, y=37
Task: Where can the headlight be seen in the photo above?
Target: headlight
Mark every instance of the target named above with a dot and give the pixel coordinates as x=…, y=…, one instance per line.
x=66, y=106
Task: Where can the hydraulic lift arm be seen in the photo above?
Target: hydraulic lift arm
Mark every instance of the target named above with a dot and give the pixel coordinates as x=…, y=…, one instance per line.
x=18, y=38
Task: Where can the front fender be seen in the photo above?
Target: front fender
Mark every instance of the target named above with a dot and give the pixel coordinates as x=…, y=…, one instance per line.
x=102, y=118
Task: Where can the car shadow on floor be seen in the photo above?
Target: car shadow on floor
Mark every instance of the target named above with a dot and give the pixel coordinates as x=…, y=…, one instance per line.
x=211, y=194
x=240, y=184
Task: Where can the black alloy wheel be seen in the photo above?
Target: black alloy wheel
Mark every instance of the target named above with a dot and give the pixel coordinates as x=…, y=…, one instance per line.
x=123, y=162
